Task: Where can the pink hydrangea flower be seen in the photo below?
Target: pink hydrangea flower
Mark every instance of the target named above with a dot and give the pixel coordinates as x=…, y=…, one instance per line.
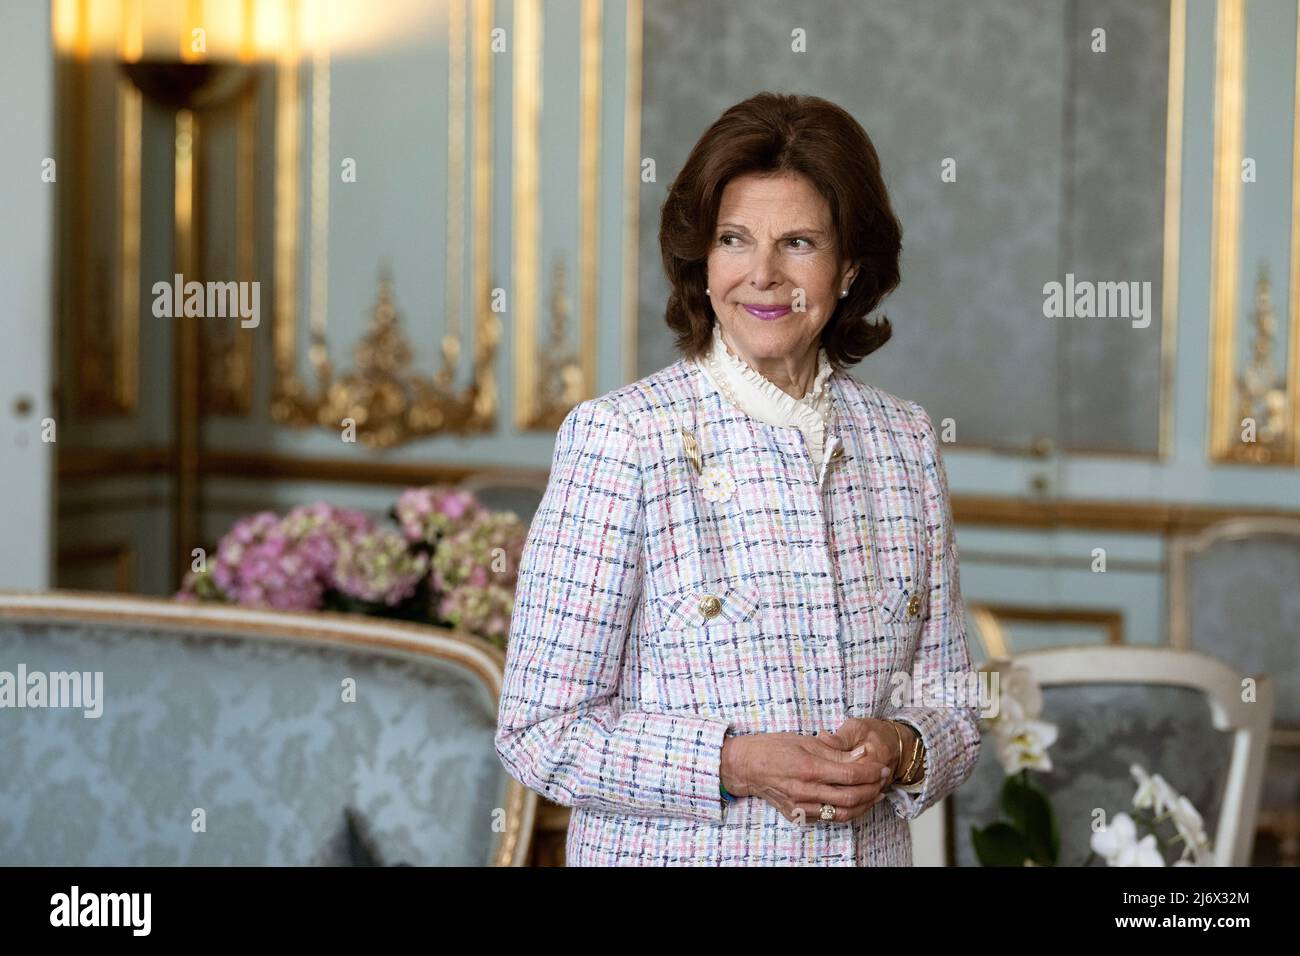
x=427, y=513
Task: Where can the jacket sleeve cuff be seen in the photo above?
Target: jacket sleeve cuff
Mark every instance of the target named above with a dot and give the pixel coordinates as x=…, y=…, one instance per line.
x=674, y=767
x=951, y=740
x=636, y=763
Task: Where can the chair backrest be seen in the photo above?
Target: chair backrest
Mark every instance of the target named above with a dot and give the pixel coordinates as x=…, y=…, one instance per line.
x=229, y=735
x=1234, y=593
x=1156, y=706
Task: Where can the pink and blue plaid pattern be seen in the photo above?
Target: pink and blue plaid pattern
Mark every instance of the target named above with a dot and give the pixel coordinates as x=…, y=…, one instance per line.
x=619, y=688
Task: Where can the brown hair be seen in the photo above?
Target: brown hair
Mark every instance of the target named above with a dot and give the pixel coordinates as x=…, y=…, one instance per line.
x=773, y=133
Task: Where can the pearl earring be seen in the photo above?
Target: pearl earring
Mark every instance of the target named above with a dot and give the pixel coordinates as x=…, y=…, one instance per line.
x=707, y=292
x=843, y=293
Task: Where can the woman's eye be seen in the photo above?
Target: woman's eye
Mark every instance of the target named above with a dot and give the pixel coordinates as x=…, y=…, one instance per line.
x=798, y=239
x=725, y=236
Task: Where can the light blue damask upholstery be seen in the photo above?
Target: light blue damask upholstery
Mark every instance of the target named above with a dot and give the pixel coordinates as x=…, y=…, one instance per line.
x=254, y=732
x=1104, y=728
x=1243, y=604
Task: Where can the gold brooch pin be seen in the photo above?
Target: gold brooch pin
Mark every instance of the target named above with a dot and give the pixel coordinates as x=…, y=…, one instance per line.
x=692, y=449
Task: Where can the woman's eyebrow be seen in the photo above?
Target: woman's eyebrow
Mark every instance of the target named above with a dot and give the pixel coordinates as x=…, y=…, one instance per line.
x=785, y=235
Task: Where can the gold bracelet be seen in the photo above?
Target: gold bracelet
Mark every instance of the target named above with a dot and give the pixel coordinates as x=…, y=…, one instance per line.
x=894, y=724
x=917, y=756
x=906, y=776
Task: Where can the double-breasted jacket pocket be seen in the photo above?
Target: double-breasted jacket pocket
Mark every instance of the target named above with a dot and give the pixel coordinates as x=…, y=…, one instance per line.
x=715, y=607
x=898, y=615
x=907, y=607
x=708, y=653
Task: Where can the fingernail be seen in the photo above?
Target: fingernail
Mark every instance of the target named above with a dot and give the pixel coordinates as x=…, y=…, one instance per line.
x=859, y=752
x=884, y=773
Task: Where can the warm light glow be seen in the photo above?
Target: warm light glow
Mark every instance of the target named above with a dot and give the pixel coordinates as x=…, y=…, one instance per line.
x=65, y=19
x=271, y=27
x=347, y=27
x=132, y=31
x=241, y=29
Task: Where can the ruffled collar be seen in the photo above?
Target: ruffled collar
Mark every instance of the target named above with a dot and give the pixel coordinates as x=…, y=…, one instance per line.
x=812, y=401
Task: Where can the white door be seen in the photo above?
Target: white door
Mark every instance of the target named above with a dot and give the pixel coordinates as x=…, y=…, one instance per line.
x=26, y=306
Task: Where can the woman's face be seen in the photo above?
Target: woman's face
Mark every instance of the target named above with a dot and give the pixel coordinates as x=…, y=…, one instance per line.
x=774, y=276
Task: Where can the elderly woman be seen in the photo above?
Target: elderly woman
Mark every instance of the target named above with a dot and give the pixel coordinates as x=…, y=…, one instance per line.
x=743, y=573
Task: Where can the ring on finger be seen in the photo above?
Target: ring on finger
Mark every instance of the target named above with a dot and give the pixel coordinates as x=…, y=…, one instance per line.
x=828, y=812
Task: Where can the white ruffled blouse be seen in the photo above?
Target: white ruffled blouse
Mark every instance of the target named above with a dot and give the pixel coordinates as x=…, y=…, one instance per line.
x=761, y=399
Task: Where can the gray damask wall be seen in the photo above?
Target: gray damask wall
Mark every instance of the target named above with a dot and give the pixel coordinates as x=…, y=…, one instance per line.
x=1059, y=169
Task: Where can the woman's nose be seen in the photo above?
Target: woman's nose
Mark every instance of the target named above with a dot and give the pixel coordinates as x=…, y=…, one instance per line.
x=764, y=271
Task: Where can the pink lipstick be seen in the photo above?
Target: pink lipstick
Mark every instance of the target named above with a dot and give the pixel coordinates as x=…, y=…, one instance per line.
x=767, y=314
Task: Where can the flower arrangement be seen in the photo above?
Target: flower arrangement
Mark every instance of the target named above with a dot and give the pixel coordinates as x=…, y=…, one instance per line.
x=1030, y=836
x=1118, y=844
x=449, y=562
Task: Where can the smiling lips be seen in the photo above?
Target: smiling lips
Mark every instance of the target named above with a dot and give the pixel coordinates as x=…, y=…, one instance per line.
x=768, y=314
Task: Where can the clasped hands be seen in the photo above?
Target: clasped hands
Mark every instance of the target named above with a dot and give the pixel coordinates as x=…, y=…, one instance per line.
x=797, y=773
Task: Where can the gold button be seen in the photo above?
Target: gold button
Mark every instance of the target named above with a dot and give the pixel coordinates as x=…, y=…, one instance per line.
x=710, y=606
x=914, y=605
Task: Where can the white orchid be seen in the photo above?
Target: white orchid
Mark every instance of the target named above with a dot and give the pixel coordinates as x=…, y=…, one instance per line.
x=1191, y=829
x=1021, y=739
x=1024, y=744
x=1022, y=692
x=1118, y=844
x=1153, y=792
x=1145, y=853
x=1019, y=697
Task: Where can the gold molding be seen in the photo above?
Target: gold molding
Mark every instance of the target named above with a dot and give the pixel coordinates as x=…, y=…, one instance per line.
x=1176, y=105
x=542, y=405
x=457, y=71
x=1141, y=517
x=1229, y=92
x=634, y=21
x=386, y=402
x=990, y=619
x=526, y=107
x=1151, y=517
x=131, y=133
x=107, y=373
x=590, y=53
x=92, y=464
x=188, y=239
x=1293, y=325
x=318, y=240
x=288, y=108
x=1225, y=445
x=413, y=405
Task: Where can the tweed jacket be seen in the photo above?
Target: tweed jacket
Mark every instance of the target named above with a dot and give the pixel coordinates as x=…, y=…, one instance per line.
x=837, y=595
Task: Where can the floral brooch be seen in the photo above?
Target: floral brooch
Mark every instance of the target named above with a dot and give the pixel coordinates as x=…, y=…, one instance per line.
x=716, y=483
